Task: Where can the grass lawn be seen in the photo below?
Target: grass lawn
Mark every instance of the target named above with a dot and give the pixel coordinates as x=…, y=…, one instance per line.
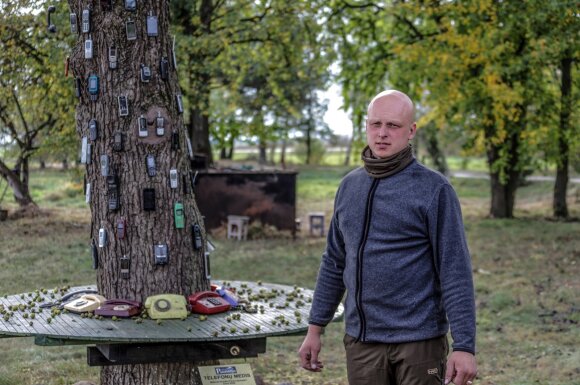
x=526, y=271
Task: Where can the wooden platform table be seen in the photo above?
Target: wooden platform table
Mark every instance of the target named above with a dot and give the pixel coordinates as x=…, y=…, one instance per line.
x=271, y=310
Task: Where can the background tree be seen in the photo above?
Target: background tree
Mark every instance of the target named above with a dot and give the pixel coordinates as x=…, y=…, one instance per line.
x=469, y=65
x=34, y=103
x=258, y=53
x=558, y=28
x=124, y=172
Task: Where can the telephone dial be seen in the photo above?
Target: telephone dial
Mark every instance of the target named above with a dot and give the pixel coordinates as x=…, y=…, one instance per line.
x=85, y=303
x=119, y=308
x=208, y=302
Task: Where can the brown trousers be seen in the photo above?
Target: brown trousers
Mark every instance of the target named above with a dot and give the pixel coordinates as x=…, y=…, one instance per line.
x=412, y=363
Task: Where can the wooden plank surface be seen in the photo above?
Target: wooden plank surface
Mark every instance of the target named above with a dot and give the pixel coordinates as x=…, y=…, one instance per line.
x=281, y=310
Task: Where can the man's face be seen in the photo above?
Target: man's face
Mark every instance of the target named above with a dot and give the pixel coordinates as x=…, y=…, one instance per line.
x=389, y=125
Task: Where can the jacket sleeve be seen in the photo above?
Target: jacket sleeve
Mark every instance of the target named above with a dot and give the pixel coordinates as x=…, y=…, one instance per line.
x=453, y=266
x=329, y=285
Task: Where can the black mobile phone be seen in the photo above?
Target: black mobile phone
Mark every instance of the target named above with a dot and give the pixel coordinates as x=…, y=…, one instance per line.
x=164, y=68
x=125, y=265
x=175, y=140
x=196, y=236
x=95, y=255
x=113, y=192
x=123, y=106
x=149, y=199
x=118, y=141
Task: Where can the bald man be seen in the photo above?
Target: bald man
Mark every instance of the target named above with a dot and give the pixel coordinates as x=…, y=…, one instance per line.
x=396, y=246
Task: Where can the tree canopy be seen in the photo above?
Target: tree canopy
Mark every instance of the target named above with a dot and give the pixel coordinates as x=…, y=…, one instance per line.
x=484, y=66
x=35, y=103
x=498, y=77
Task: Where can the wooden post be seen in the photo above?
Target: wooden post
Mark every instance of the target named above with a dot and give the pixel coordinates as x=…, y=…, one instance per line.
x=130, y=123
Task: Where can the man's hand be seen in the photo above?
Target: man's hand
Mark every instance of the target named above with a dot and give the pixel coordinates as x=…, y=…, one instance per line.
x=310, y=349
x=461, y=368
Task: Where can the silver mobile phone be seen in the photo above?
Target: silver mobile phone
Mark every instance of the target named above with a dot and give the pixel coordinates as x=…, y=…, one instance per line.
x=86, y=21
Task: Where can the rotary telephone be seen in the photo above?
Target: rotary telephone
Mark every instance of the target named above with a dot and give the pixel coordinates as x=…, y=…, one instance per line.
x=85, y=303
x=208, y=302
x=119, y=308
x=166, y=306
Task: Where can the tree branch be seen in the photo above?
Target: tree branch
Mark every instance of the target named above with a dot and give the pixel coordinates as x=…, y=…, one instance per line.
x=20, y=113
x=347, y=5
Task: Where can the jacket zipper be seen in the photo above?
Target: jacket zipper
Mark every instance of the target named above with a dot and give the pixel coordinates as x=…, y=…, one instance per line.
x=359, y=269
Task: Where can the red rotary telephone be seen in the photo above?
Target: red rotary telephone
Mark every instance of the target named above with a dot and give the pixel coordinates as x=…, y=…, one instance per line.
x=207, y=302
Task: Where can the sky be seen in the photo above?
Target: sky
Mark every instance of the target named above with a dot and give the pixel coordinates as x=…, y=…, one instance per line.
x=337, y=120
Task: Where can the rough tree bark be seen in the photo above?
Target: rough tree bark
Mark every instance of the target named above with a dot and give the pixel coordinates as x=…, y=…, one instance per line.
x=183, y=274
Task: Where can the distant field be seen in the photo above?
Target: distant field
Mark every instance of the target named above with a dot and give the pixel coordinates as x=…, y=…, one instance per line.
x=336, y=156
x=526, y=271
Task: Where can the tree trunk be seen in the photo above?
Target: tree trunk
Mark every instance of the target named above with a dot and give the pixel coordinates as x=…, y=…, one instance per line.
x=145, y=374
x=65, y=164
x=357, y=124
x=199, y=132
x=273, y=153
x=560, y=205
x=434, y=150
x=283, y=153
x=232, y=143
x=503, y=192
x=199, y=82
x=263, y=147
x=145, y=227
x=502, y=197
x=349, y=149
x=18, y=185
x=308, y=147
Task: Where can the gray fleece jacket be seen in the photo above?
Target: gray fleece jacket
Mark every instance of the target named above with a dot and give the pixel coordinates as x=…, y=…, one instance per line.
x=397, y=246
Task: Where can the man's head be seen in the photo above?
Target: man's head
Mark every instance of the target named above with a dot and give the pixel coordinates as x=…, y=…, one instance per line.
x=390, y=123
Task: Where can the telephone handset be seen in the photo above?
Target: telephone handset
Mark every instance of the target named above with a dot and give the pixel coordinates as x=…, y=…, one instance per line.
x=85, y=303
x=207, y=302
x=119, y=308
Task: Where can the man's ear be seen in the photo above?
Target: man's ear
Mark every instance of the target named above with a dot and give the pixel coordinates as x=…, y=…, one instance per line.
x=412, y=131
